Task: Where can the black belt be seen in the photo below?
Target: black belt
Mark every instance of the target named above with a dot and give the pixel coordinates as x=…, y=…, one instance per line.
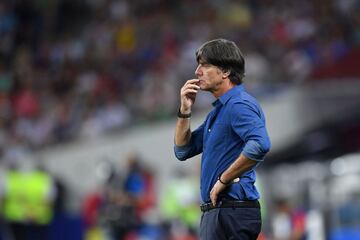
x=230, y=204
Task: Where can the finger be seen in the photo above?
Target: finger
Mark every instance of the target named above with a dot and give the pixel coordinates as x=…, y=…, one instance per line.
x=213, y=197
x=189, y=91
x=192, y=81
x=191, y=86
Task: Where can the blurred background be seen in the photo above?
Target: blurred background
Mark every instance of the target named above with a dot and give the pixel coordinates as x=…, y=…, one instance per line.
x=89, y=91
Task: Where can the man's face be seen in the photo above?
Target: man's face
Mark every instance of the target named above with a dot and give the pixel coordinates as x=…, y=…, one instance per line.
x=210, y=77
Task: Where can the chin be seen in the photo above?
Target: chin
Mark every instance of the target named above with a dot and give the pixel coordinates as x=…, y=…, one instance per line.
x=202, y=86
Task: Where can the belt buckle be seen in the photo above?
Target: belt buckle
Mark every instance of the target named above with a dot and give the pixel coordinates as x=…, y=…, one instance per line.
x=207, y=207
x=204, y=207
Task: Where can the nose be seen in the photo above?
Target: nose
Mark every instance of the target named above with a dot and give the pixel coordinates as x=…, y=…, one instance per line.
x=198, y=71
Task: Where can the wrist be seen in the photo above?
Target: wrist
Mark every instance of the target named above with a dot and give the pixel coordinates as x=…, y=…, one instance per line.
x=222, y=182
x=184, y=114
x=185, y=110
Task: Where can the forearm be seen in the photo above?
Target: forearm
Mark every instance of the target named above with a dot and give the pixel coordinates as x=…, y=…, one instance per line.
x=253, y=153
x=241, y=165
x=182, y=131
x=187, y=98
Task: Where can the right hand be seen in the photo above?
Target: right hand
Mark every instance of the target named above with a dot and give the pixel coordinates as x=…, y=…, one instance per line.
x=188, y=94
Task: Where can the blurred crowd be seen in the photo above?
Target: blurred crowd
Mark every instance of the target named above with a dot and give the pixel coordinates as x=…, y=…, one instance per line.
x=82, y=68
x=124, y=206
x=130, y=206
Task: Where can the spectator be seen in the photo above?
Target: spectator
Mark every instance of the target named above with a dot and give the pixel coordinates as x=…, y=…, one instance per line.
x=288, y=224
x=28, y=203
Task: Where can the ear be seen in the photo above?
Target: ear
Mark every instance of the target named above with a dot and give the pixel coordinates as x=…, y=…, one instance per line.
x=226, y=74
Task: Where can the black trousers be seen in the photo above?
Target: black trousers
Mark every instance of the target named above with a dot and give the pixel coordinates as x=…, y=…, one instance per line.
x=230, y=224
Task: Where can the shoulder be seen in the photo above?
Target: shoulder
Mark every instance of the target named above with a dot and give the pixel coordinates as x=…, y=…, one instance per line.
x=244, y=101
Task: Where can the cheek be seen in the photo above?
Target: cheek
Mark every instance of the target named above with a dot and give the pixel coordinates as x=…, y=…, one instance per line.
x=215, y=77
x=211, y=75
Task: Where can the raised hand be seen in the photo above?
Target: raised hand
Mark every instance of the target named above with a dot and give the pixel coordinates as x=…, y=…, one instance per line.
x=188, y=95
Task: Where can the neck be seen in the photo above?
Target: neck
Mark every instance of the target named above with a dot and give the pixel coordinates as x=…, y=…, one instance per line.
x=223, y=88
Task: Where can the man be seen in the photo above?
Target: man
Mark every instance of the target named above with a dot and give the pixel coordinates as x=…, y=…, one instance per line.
x=28, y=202
x=233, y=140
